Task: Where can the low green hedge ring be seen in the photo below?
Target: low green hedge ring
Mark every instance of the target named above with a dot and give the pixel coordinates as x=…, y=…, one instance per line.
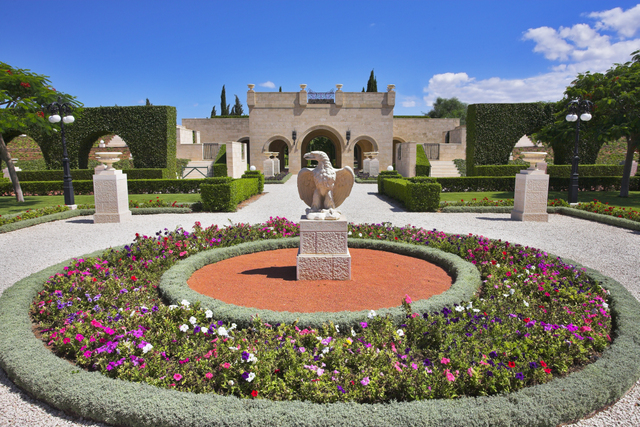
x=91, y=395
x=173, y=284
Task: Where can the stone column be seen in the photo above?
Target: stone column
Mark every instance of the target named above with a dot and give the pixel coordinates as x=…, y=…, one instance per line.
x=110, y=192
x=406, y=159
x=236, y=159
x=532, y=191
x=323, y=252
x=372, y=165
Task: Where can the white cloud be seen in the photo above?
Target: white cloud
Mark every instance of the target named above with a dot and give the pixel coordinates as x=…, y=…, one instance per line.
x=142, y=102
x=574, y=50
x=268, y=84
x=409, y=101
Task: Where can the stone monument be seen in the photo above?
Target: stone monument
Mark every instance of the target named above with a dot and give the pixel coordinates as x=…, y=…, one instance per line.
x=110, y=191
x=371, y=165
x=532, y=191
x=323, y=251
x=271, y=164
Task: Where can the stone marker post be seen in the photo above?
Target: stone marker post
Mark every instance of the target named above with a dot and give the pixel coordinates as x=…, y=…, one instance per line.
x=110, y=191
x=323, y=253
x=532, y=191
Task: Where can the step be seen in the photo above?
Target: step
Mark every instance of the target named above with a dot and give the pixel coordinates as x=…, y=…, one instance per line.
x=443, y=168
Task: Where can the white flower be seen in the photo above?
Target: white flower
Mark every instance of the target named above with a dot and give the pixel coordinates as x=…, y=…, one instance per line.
x=208, y=314
x=605, y=305
x=252, y=358
x=353, y=333
x=512, y=291
x=184, y=328
x=470, y=305
x=222, y=331
x=171, y=307
x=526, y=304
x=400, y=332
x=185, y=303
x=319, y=338
x=251, y=377
x=132, y=313
x=360, y=234
x=371, y=314
x=233, y=326
x=349, y=233
x=337, y=330
x=459, y=308
x=147, y=347
x=325, y=350
x=505, y=295
x=193, y=320
x=475, y=310
x=498, y=265
x=231, y=382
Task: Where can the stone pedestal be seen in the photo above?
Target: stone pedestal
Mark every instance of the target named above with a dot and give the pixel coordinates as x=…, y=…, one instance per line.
x=406, y=159
x=323, y=252
x=530, y=200
x=111, y=195
x=366, y=165
x=374, y=167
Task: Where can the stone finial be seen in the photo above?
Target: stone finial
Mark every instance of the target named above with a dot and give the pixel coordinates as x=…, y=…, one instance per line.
x=390, y=88
x=303, y=87
x=339, y=87
x=251, y=86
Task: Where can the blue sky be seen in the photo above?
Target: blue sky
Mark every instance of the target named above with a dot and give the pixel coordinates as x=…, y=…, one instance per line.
x=181, y=53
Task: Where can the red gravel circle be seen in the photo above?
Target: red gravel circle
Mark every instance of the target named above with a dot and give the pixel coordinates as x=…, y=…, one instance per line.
x=267, y=280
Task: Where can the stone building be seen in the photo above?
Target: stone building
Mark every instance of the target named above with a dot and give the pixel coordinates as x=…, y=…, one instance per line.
x=355, y=122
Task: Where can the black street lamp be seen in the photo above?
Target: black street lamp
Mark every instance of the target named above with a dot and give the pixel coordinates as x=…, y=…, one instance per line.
x=58, y=109
x=577, y=107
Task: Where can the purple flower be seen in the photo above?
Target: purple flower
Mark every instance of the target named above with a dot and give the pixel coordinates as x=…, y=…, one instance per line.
x=489, y=373
x=520, y=376
x=493, y=355
x=363, y=324
x=533, y=365
x=341, y=390
x=123, y=291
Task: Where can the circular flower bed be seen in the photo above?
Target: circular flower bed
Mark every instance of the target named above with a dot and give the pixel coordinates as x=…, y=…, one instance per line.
x=534, y=319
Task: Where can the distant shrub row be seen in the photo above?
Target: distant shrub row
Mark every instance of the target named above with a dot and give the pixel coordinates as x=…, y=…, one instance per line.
x=560, y=171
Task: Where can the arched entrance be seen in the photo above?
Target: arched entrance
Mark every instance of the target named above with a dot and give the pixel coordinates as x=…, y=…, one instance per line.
x=362, y=146
x=279, y=146
x=322, y=140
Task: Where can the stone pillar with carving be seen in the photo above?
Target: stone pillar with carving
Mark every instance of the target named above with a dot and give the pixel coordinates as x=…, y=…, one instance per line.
x=532, y=191
x=373, y=168
x=110, y=191
x=323, y=253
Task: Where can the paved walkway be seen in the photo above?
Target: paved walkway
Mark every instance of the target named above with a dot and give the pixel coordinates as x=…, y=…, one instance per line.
x=613, y=251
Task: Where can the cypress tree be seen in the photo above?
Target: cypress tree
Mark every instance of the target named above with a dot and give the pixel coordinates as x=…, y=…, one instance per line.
x=237, y=109
x=213, y=111
x=280, y=89
x=372, y=84
x=363, y=88
x=148, y=103
x=224, y=107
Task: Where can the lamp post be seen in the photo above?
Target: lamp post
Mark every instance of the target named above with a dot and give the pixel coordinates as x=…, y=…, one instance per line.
x=578, y=107
x=58, y=109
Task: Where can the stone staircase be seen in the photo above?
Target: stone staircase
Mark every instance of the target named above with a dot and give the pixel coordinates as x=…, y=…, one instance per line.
x=443, y=168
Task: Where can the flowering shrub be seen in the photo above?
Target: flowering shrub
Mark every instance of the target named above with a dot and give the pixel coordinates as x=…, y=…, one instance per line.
x=534, y=318
x=157, y=203
x=605, y=209
x=32, y=213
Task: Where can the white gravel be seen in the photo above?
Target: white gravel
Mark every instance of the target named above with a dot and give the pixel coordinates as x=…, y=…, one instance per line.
x=613, y=251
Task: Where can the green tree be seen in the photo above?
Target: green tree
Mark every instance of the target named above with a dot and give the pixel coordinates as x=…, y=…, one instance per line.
x=448, y=108
x=616, y=112
x=280, y=90
x=322, y=143
x=148, y=104
x=213, y=111
x=23, y=98
x=372, y=84
x=224, y=107
x=237, y=108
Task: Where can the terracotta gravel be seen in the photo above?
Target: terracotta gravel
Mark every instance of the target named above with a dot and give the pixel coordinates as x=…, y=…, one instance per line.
x=267, y=280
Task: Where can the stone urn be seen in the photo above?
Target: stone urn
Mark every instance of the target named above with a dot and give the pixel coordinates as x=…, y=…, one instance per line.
x=370, y=154
x=533, y=158
x=303, y=87
x=109, y=158
x=251, y=86
x=339, y=87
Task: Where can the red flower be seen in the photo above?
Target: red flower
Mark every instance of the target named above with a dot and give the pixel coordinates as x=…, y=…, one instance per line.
x=41, y=114
x=9, y=71
x=544, y=365
x=512, y=365
x=547, y=370
x=23, y=84
x=526, y=320
x=254, y=393
x=134, y=278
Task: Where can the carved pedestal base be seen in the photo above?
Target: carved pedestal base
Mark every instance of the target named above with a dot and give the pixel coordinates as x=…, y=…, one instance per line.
x=323, y=252
x=111, y=196
x=530, y=200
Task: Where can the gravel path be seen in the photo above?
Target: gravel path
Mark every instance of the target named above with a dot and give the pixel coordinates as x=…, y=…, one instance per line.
x=613, y=251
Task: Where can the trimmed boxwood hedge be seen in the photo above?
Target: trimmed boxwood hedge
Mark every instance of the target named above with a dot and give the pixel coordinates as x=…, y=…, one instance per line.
x=258, y=175
x=384, y=175
x=87, y=174
x=560, y=171
x=91, y=395
x=174, y=288
x=417, y=196
x=225, y=196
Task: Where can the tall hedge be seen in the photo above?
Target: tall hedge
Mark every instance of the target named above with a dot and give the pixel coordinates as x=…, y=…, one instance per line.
x=149, y=131
x=423, y=166
x=494, y=129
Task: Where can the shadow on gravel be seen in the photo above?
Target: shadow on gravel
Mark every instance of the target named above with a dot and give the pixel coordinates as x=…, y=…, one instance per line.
x=81, y=221
x=394, y=204
x=495, y=219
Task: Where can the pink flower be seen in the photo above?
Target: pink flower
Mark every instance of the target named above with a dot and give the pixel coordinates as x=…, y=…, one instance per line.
x=365, y=381
x=109, y=331
x=226, y=365
x=444, y=360
x=414, y=366
x=450, y=376
x=96, y=324
x=66, y=340
x=407, y=299
x=79, y=337
x=585, y=329
x=470, y=372
x=87, y=354
x=177, y=377
x=208, y=375
x=183, y=253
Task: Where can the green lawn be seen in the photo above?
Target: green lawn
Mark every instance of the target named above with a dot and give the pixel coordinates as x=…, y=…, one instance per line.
x=611, y=197
x=8, y=205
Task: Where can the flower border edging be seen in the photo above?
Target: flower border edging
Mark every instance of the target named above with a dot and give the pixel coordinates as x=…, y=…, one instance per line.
x=173, y=284
x=91, y=395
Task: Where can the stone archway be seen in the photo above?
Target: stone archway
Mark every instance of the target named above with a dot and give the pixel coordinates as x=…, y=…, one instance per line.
x=330, y=135
x=361, y=145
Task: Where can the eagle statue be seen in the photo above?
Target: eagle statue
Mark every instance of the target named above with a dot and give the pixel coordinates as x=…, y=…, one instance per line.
x=324, y=188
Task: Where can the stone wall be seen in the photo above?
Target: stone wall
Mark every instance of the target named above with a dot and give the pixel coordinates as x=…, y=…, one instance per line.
x=219, y=130
x=423, y=131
